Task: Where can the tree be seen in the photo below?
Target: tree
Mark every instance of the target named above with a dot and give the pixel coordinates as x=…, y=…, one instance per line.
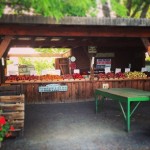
x=126, y=8
x=60, y=8
x=39, y=63
x=52, y=8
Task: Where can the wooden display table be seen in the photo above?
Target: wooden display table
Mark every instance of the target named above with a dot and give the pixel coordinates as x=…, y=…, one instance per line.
x=123, y=95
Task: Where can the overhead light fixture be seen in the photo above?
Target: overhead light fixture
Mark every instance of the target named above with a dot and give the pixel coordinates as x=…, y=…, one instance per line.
x=40, y=39
x=55, y=39
x=24, y=38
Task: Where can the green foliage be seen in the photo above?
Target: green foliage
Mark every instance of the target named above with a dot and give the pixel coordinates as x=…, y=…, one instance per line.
x=60, y=8
x=78, y=7
x=4, y=130
x=39, y=63
x=53, y=8
x=52, y=50
x=9, y=62
x=2, y=6
x=118, y=8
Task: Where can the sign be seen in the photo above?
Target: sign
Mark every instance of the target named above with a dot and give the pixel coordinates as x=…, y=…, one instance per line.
x=107, y=70
x=92, y=62
x=92, y=49
x=117, y=70
x=143, y=69
x=127, y=69
x=106, y=55
x=53, y=88
x=76, y=71
x=102, y=63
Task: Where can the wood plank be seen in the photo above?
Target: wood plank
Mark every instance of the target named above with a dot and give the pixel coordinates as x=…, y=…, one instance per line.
x=134, y=84
x=140, y=84
x=89, y=90
x=82, y=90
x=115, y=84
x=35, y=55
x=73, y=91
x=14, y=115
x=121, y=84
x=128, y=84
x=12, y=107
x=146, y=43
x=12, y=99
x=17, y=123
x=4, y=45
x=89, y=31
x=69, y=92
x=147, y=85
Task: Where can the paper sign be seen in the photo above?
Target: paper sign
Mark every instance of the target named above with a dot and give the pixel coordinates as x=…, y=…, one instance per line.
x=76, y=71
x=117, y=70
x=107, y=69
x=3, y=63
x=92, y=62
x=127, y=69
x=143, y=69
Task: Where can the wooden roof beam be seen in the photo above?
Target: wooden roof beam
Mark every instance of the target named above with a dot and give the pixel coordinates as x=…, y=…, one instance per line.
x=76, y=31
x=4, y=45
x=146, y=43
x=36, y=55
x=77, y=42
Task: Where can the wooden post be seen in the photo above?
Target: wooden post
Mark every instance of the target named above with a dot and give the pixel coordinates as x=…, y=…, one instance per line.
x=4, y=45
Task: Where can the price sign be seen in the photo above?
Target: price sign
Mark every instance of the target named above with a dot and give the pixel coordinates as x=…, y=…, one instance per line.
x=117, y=70
x=127, y=69
x=107, y=69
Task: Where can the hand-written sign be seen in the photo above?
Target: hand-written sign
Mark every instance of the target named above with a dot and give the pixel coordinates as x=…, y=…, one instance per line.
x=53, y=88
x=92, y=49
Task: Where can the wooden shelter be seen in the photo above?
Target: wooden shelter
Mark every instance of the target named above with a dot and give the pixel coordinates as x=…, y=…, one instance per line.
x=127, y=39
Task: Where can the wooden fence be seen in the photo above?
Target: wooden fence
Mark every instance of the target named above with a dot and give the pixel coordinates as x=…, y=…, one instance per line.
x=77, y=90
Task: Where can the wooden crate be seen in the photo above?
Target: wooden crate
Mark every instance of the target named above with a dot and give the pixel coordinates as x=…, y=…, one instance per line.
x=10, y=90
x=13, y=109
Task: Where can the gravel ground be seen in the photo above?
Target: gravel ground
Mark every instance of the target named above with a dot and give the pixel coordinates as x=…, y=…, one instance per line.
x=75, y=126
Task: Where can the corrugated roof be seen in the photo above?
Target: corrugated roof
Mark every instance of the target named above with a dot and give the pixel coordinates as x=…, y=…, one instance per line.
x=75, y=21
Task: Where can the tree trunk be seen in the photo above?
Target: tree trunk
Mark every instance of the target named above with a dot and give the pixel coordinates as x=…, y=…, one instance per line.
x=129, y=5
x=144, y=10
x=137, y=9
x=106, y=10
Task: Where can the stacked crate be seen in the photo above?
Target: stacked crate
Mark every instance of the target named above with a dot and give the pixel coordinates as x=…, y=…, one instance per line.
x=12, y=107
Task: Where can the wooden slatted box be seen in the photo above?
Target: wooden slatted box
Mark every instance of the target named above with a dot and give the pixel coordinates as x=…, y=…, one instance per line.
x=13, y=108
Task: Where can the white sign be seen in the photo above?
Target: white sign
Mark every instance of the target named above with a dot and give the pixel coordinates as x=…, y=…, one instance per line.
x=76, y=71
x=3, y=63
x=107, y=69
x=102, y=63
x=92, y=62
x=92, y=49
x=143, y=69
x=127, y=69
x=117, y=70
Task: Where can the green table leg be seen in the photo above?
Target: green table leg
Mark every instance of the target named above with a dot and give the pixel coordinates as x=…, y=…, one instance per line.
x=96, y=103
x=99, y=102
x=128, y=116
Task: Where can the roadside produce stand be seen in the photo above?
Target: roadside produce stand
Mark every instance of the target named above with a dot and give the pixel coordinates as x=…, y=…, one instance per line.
x=123, y=96
x=78, y=89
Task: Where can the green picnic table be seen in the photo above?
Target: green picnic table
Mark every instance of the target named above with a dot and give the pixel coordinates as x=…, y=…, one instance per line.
x=125, y=97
